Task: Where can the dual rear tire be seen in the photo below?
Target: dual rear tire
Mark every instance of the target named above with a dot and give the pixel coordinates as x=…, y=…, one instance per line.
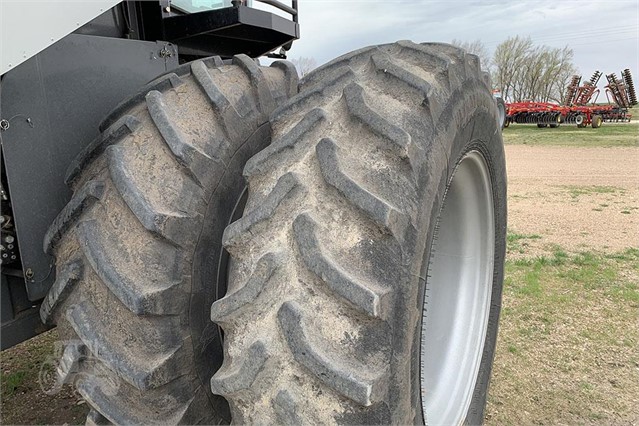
x=384, y=183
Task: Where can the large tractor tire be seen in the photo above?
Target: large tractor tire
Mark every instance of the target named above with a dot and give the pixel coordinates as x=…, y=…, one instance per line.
x=366, y=272
x=138, y=246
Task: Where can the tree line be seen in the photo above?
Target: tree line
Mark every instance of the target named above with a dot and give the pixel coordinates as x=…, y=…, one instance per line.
x=522, y=71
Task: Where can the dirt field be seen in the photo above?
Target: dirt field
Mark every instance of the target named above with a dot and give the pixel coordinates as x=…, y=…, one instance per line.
x=578, y=198
x=568, y=349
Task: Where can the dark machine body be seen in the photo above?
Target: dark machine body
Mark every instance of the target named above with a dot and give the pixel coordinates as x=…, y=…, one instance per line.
x=51, y=106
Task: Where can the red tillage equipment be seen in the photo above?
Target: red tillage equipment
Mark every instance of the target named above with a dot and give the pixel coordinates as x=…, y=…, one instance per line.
x=576, y=109
x=541, y=113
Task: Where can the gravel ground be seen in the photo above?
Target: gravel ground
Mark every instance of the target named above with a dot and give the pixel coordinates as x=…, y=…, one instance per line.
x=574, y=197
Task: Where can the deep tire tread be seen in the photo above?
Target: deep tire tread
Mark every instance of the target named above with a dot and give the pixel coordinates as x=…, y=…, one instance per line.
x=234, y=126
x=235, y=301
x=130, y=310
x=81, y=201
x=66, y=278
x=382, y=212
x=123, y=127
x=260, y=162
x=308, y=96
x=369, y=298
x=116, y=405
x=259, y=83
x=231, y=380
x=154, y=370
x=285, y=188
x=384, y=65
x=400, y=140
x=356, y=382
x=194, y=161
x=140, y=296
x=290, y=75
x=167, y=225
x=357, y=137
x=160, y=84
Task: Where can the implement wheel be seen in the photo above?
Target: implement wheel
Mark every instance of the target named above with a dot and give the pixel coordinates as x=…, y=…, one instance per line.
x=367, y=269
x=597, y=120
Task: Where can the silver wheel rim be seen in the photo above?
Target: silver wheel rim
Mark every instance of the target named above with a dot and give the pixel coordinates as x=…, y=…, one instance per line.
x=458, y=294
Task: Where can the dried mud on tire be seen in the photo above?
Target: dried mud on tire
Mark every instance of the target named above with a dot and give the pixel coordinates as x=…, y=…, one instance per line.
x=323, y=307
x=136, y=246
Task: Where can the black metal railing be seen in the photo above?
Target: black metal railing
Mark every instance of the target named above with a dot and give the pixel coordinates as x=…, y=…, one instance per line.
x=292, y=10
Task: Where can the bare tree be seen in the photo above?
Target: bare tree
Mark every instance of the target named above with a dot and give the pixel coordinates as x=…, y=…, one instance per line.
x=304, y=65
x=478, y=48
x=564, y=74
x=508, y=60
x=526, y=72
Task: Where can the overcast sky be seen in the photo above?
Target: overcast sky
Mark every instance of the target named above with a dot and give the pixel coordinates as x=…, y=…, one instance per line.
x=604, y=35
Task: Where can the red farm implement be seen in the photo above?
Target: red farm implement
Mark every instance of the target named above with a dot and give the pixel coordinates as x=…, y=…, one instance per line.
x=543, y=114
x=580, y=105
